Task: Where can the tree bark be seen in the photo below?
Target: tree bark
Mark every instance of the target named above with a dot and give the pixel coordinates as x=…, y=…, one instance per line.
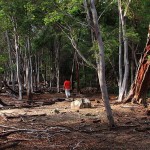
x=28, y=71
x=10, y=61
x=17, y=59
x=124, y=82
x=101, y=65
x=57, y=61
x=120, y=56
x=77, y=72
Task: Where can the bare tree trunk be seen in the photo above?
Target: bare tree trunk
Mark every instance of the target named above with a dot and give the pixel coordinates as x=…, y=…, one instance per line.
x=120, y=55
x=18, y=60
x=36, y=73
x=10, y=61
x=134, y=64
x=57, y=57
x=101, y=65
x=28, y=71
x=123, y=87
x=72, y=70
x=52, y=73
x=1, y=83
x=31, y=68
x=77, y=73
x=38, y=70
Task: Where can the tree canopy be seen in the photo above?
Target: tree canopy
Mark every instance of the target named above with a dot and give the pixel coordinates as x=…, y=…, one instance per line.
x=65, y=23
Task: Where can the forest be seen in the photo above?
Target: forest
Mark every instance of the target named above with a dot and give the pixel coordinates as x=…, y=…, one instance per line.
x=102, y=47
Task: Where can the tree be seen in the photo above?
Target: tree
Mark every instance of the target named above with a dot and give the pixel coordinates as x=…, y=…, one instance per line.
x=123, y=79
x=141, y=84
x=101, y=64
x=20, y=20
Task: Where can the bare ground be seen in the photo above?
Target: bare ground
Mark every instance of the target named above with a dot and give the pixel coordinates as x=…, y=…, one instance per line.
x=58, y=127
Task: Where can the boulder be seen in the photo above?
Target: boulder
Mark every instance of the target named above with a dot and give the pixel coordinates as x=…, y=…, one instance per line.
x=79, y=103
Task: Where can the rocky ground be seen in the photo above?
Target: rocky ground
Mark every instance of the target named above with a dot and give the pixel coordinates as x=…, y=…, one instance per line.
x=58, y=127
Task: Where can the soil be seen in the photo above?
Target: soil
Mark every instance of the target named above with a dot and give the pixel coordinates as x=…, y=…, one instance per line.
x=58, y=127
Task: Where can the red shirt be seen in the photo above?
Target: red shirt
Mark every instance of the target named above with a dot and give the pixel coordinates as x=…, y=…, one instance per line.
x=67, y=84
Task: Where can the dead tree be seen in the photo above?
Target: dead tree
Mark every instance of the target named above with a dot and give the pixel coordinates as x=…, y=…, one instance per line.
x=139, y=88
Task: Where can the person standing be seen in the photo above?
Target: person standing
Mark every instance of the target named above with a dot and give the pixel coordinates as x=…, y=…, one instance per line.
x=67, y=87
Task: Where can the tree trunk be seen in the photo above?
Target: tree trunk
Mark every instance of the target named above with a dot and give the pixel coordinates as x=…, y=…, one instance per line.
x=134, y=63
x=18, y=60
x=28, y=71
x=10, y=61
x=140, y=86
x=31, y=68
x=1, y=83
x=57, y=57
x=101, y=66
x=77, y=73
x=120, y=55
x=38, y=70
x=124, y=82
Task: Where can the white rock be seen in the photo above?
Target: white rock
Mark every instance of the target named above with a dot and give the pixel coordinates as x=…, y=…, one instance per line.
x=81, y=103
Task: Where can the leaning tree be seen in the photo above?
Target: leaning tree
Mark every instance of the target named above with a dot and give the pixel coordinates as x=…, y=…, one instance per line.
x=139, y=88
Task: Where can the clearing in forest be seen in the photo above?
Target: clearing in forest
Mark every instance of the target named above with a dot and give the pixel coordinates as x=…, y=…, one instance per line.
x=56, y=126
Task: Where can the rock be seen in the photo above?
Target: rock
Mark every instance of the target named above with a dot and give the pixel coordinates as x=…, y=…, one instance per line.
x=56, y=111
x=81, y=103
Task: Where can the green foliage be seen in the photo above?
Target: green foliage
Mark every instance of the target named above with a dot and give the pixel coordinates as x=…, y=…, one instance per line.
x=41, y=20
x=1, y=70
x=87, y=77
x=148, y=93
x=139, y=19
x=133, y=35
x=113, y=89
x=110, y=39
x=148, y=57
x=53, y=17
x=4, y=21
x=3, y=60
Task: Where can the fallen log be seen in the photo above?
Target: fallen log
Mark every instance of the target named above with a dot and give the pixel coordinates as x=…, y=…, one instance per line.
x=142, y=129
x=24, y=115
x=25, y=105
x=7, y=133
x=48, y=102
x=50, y=130
x=9, y=144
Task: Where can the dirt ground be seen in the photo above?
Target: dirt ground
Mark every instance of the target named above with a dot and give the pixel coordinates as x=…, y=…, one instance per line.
x=58, y=127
